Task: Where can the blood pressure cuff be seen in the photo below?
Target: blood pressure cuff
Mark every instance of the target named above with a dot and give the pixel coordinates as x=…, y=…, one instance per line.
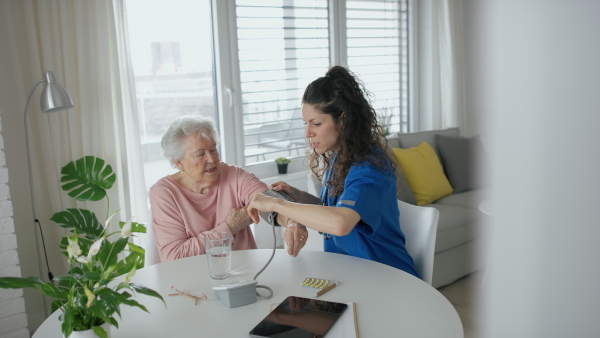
x=271, y=217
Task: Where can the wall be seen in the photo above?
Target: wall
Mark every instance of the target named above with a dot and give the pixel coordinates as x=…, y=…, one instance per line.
x=534, y=78
x=13, y=320
x=477, y=74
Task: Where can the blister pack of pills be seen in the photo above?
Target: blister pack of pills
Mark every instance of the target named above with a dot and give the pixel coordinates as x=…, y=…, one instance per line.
x=315, y=282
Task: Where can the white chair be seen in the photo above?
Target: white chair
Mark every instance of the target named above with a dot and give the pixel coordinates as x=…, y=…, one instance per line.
x=151, y=256
x=419, y=225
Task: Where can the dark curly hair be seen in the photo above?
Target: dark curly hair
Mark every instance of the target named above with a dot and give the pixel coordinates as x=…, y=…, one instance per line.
x=361, y=139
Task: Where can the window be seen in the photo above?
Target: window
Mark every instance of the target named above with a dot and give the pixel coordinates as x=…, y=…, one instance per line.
x=285, y=45
x=282, y=46
x=172, y=58
x=377, y=41
x=265, y=54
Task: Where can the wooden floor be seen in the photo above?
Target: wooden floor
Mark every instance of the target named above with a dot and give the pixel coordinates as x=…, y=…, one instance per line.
x=465, y=294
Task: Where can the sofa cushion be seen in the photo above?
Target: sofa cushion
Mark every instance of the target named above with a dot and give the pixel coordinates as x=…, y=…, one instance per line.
x=460, y=157
x=414, y=139
x=403, y=191
x=468, y=199
x=423, y=172
x=457, y=225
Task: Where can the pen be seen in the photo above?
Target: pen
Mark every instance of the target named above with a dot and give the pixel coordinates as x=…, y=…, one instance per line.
x=327, y=289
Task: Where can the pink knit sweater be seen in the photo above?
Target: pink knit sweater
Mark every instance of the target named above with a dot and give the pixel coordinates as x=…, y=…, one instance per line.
x=180, y=217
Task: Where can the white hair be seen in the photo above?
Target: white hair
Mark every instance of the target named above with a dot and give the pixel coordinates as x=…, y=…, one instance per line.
x=173, y=139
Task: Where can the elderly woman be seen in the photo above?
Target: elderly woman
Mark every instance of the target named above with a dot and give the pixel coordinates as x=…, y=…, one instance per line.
x=205, y=195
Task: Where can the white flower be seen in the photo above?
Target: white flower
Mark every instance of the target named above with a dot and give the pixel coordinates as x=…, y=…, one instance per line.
x=83, y=259
x=126, y=230
x=110, y=218
x=73, y=249
x=95, y=247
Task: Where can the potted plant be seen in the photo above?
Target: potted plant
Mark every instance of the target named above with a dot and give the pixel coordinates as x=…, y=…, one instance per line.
x=85, y=295
x=282, y=164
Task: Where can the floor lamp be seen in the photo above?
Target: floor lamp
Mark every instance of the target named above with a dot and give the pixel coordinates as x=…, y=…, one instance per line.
x=54, y=98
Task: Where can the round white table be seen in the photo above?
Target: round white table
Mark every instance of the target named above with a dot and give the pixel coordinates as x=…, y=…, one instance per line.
x=389, y=302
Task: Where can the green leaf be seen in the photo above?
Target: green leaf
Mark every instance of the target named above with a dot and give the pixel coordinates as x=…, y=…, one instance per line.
x=137, y=227
x=68, y=321
x=133, y=248
x=87, y=179
x=146, y=291
x=135, y=257
x=57, y=304
x=18, y=283
x=108, y=255
x=99, y=331
x=82, y=220
x=132, y=302
x=101, y=310
x=111, y=301
x=50, y=290
x=113, y=322
x=92, y=276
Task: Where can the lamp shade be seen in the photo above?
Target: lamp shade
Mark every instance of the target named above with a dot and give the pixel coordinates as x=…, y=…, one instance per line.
x=54, y=96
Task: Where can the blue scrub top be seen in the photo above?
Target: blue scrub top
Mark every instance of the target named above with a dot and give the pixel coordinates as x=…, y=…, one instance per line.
x=371, y=192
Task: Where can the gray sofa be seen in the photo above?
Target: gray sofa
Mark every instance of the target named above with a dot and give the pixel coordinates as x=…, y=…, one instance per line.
x=461, y=228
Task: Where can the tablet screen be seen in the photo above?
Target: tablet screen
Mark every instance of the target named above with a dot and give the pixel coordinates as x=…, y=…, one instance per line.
x=298, y=317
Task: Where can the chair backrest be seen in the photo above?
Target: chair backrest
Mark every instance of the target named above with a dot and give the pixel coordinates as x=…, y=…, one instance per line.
x=419, y=225
x=314, y=184
x=151, y=255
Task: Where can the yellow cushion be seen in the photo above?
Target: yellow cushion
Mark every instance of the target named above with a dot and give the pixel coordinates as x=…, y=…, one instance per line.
x=424, y=173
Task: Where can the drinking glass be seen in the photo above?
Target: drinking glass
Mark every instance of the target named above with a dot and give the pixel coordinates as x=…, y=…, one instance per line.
x=218, y=253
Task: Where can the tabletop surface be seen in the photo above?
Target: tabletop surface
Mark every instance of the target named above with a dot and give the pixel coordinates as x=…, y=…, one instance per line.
x=389, y=302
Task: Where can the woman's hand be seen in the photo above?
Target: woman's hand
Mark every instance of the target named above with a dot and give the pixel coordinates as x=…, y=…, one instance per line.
x=295, y=194
x=295, y=236
x=238, y=219
x=260, y=202
x=283, y=187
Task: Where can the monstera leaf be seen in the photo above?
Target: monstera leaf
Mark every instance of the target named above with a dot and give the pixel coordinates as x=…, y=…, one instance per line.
x=82, y=220
x=87, y=179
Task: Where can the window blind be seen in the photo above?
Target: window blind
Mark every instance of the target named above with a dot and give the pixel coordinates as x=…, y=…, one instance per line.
x=377, y=49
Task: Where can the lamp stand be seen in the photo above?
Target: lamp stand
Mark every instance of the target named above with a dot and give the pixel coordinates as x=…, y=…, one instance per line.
x=54, y=98
x=35, y=219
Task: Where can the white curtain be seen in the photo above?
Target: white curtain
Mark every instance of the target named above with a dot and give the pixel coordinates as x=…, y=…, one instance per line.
x=84, y=44
x=440, y=67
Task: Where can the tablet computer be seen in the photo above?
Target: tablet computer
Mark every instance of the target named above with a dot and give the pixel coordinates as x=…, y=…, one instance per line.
x=298, y=317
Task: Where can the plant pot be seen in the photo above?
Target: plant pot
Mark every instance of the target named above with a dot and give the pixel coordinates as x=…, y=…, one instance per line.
x=90, y=333
x=282, y=168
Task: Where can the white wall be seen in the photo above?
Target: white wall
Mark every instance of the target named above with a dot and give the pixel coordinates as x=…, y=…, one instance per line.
x=13, y=320
x=478, y=70
x=534, y=80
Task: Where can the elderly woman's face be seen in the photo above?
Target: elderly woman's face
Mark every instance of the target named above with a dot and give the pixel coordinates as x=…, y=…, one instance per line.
x=201, y=160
